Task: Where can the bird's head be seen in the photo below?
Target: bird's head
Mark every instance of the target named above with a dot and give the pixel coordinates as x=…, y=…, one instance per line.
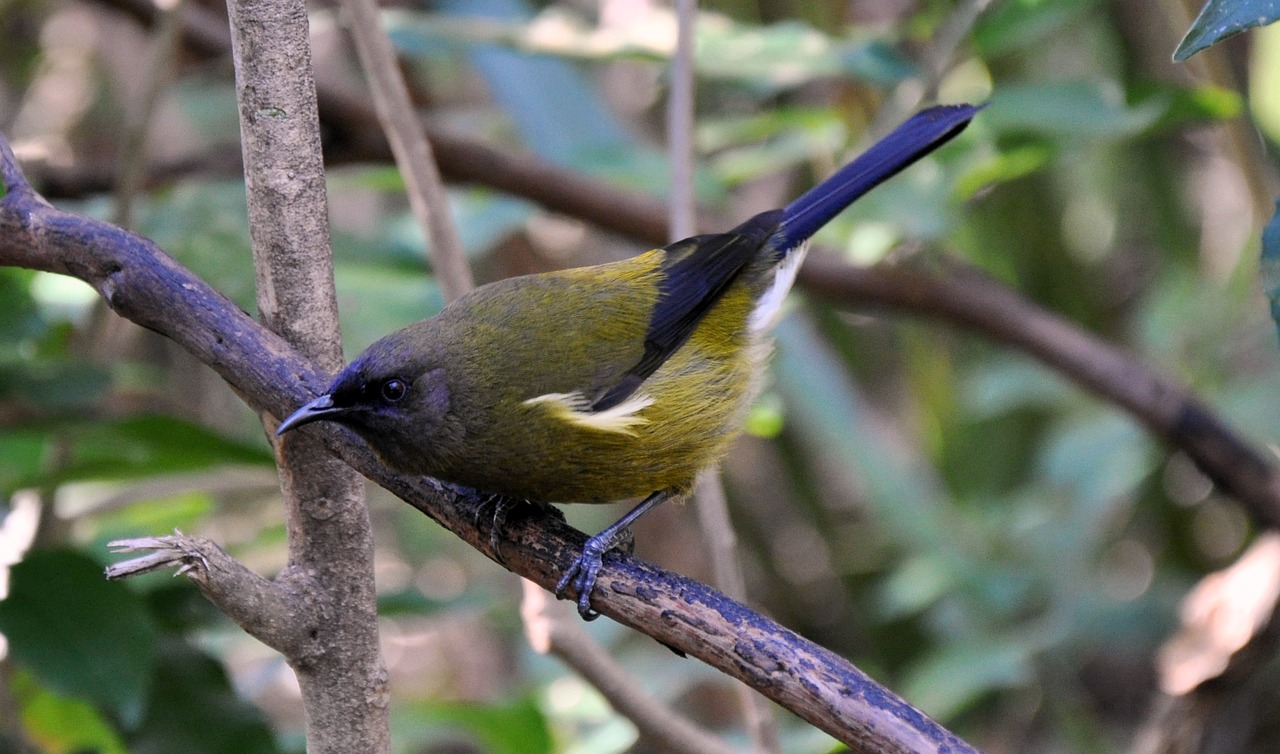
x=395, y=395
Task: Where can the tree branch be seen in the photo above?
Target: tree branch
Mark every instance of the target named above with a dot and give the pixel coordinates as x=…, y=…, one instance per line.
x=552, y=628
x=329, y=576
x=965, y=296
x=257, y=605
x=411, y=147
x=142, y=283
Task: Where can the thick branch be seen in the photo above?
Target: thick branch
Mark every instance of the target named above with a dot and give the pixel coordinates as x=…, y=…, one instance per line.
x=329, y=576
x=141, y=283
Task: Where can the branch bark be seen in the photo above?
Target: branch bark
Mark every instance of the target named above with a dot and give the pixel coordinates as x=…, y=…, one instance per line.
x=412, y=149
x=329, y=577
x=142, y=283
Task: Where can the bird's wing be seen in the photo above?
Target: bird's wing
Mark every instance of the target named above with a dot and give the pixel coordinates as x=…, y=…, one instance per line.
x=699, y=270
x=696, y=273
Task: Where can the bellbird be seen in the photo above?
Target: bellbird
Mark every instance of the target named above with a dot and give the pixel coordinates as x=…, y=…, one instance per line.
x=602, y=383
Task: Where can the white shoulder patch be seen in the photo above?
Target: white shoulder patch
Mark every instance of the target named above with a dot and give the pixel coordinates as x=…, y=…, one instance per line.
x=765, y=315
x=575, y=409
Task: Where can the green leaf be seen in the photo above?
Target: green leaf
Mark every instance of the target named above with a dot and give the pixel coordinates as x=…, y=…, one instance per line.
x=54, y=387
x=63, y=724
x=150, y=512
x=1018, y=24
x=1225, y=18
x=916, y=584
x=1099, y=457
x=23, y=453
x=514, y=727
x=194, y=710
x=1071, y=110
x=1190, y=104
x=374, y=300
x=141, y=446
x=19, y=317
x=946, y=682
x=1009, y=165
x=1006, y=384
x=788, y=54
x=205, y=227
x=762, y=58
x=78, y=633
x=838, y=429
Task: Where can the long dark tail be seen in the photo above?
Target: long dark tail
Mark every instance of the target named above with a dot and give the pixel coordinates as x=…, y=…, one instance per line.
x=921, y=134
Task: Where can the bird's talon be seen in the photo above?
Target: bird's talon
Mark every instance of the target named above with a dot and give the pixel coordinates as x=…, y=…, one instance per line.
x=582, y=575
x=563, y=583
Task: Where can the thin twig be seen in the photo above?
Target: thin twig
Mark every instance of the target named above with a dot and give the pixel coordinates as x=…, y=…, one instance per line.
x=680, y=123
x=131, y=157
x=726, y=569
x=936, y=59
x=411, y=147
x=257, y=605
x=552, y=628
x=709, y=498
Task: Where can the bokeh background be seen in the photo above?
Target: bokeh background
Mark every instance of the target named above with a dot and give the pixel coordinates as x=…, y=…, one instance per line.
x=1000, y=546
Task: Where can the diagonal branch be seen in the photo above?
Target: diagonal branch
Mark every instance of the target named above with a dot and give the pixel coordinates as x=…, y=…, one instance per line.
x=964, y=296
x=142, y=283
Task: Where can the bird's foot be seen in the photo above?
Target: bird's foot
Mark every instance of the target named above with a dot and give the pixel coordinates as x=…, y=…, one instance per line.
x=582, y=573
x=501, y=506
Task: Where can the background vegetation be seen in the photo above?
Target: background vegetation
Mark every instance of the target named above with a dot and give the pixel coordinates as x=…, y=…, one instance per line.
x=1001, y=547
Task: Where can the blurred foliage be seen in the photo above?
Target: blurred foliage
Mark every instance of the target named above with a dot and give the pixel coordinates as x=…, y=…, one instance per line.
x=968, y=526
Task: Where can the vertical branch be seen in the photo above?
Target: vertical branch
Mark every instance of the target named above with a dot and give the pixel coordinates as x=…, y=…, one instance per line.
x=712, y=508
x=411, y=148
x=682, y=211
x=137, y=125
x=330, y=572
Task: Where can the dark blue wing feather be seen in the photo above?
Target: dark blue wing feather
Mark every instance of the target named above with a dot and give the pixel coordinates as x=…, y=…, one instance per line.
x=698, y=271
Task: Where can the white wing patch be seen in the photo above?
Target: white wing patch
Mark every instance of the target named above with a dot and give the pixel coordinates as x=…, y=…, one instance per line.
x=765, y=315
x=574, y=408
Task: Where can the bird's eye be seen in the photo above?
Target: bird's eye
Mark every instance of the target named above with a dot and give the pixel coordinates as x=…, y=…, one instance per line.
x=393, y=390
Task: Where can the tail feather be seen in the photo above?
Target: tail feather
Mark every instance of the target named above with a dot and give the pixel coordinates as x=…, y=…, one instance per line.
x=920, y=135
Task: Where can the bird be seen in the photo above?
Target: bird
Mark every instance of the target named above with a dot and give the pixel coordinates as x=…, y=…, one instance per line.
x=605, y=383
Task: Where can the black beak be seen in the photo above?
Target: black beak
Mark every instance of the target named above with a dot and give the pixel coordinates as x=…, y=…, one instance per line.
x=319, y=409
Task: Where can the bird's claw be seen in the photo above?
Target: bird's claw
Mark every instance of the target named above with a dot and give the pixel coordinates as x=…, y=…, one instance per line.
x=582, y=573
